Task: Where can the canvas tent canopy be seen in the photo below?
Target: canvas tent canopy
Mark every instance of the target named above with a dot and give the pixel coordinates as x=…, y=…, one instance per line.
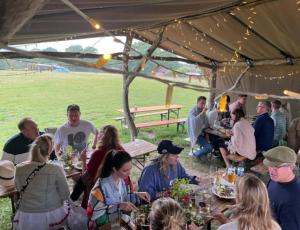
x=224, y=33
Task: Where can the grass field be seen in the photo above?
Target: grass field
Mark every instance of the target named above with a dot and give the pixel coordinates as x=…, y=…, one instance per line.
x=45, y=96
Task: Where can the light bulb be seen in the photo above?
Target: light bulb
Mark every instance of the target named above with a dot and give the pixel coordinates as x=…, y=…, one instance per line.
x=107, y=56
x=94, y=23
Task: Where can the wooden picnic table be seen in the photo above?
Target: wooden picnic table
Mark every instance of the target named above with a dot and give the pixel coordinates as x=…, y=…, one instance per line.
x=138, y=150
x=170, y=108
x=216, y=132
x=9, y=192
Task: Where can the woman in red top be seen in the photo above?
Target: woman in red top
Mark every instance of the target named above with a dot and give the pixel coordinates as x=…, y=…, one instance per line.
x=108, y=139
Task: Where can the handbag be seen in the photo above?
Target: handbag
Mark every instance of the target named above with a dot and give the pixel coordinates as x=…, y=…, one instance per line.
x=77, y=218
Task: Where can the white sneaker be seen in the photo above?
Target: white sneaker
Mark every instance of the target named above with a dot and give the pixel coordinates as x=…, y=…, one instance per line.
x=191, y=153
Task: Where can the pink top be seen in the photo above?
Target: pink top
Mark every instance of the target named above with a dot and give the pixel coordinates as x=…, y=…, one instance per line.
x=243, y=139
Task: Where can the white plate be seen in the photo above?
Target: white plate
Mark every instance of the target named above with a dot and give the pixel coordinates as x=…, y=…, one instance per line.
x=214, y=191
x=192, y=187
x=77, y=166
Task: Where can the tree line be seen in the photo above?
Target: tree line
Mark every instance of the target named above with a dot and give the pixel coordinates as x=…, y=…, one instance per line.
x=141, y=47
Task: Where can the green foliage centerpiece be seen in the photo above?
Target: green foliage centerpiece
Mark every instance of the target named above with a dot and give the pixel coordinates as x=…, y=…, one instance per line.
x=181, y=192
x=67, y=157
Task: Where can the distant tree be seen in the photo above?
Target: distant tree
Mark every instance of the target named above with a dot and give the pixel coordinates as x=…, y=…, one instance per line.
x=50, y=49
x=142, y=47
x=90, y=50
x=74, y=49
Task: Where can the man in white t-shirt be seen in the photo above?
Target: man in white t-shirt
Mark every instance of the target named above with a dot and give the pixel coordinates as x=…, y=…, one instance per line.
x=75, y=132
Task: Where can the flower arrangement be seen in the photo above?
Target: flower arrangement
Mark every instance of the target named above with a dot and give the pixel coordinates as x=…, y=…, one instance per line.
x=180, y=192
x=67, y=157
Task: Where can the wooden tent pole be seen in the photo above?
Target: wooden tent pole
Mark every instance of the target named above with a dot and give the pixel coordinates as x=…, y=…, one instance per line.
x=212, y=85
x=125, y=94
x=169, y=94
x=128, y=78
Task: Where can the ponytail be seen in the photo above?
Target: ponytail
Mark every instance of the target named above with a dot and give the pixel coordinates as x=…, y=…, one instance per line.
x=41, y=148
x=113, y=159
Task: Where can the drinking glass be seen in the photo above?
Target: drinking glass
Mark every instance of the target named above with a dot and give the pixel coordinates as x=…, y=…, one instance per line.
x=231, y=174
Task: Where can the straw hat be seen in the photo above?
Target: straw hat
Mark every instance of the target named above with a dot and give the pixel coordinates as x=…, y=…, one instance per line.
x=7, y=173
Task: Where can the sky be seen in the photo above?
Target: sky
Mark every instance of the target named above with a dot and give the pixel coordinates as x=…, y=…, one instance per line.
x=102, y=44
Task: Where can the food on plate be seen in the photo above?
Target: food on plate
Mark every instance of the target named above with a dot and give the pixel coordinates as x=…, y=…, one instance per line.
x=225, y=191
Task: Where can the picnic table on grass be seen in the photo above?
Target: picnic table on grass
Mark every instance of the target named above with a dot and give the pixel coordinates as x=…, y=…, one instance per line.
x=162, y=110
x=9, y=192
x=138, y=150
x=169, y=108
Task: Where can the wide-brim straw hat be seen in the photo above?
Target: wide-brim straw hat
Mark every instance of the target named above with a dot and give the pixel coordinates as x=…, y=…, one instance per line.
x=7, y=173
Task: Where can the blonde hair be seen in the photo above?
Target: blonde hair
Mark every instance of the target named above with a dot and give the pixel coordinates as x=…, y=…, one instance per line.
x=166, y=214
x=110, y=137
x=253, y=205
x=163, y=163
x=40, y=148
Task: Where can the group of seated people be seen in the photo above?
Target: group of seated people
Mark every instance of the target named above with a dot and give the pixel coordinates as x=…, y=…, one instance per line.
x=109, y=194
x=248, y=140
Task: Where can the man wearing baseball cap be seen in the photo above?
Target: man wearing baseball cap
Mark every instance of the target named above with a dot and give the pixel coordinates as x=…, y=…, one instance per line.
x=284, y=186
x=157, y=177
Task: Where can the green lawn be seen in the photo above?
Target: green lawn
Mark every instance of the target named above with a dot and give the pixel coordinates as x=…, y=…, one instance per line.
x=45, y=96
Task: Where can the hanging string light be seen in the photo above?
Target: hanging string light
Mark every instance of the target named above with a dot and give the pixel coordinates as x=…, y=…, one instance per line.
x=291, y=93
x=102, y=60
x=95, y=24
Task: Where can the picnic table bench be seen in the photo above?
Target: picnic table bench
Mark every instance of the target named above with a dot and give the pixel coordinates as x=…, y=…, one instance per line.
x=163, y=114
x=178, y=122
x=162, y=110
x=236, y=158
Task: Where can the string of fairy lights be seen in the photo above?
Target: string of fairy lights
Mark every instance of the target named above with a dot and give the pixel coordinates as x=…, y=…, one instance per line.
x=240, y=43
x=199, y=39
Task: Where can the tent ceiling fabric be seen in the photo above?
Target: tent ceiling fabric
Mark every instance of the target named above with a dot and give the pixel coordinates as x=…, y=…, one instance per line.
x=200, y=30
x=205, y=30
x=56, y=18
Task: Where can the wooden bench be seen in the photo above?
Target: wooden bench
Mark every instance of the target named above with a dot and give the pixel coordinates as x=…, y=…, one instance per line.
x=236, y=158
x=161, y=113
x=260, y=169
x=179, y=122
